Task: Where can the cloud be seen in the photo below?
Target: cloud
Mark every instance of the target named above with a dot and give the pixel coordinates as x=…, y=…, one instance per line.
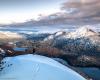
x=75, y=12
x=86, y=11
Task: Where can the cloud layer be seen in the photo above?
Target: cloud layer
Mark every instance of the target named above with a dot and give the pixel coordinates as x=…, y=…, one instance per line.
x=75, y=12
x=86, y=11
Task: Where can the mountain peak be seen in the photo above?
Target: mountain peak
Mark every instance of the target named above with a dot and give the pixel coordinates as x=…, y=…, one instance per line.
x=82, y=32
x=85, y=31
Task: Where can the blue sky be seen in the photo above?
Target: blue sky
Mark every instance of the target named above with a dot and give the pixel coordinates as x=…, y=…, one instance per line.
x=22, y=10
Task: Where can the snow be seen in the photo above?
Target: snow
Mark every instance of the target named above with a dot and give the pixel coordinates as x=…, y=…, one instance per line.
x=2, y=52
x=59, y=33
x=51, y=37
x=35, y=67
x=79, y=33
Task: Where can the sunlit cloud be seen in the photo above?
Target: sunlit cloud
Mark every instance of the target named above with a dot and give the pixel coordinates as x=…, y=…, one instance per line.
x=69, y=12
x=22, y=17
x=24, y=10
x=79, y=12
x=83, y=10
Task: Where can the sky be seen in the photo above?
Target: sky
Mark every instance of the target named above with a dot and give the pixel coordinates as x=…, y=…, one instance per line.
x=22, y=10
x=71, y=11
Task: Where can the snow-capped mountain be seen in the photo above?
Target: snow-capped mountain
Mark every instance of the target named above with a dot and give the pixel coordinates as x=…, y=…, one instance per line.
x=81, y=32
x=82, y=39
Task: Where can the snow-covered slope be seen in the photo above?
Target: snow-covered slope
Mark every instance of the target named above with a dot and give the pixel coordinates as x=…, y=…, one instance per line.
x=35, y=67
x=82, y=32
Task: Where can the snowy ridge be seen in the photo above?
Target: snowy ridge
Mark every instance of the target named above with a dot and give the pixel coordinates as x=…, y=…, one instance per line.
x=56, y=34
x=82, y=39
x=81, y=32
